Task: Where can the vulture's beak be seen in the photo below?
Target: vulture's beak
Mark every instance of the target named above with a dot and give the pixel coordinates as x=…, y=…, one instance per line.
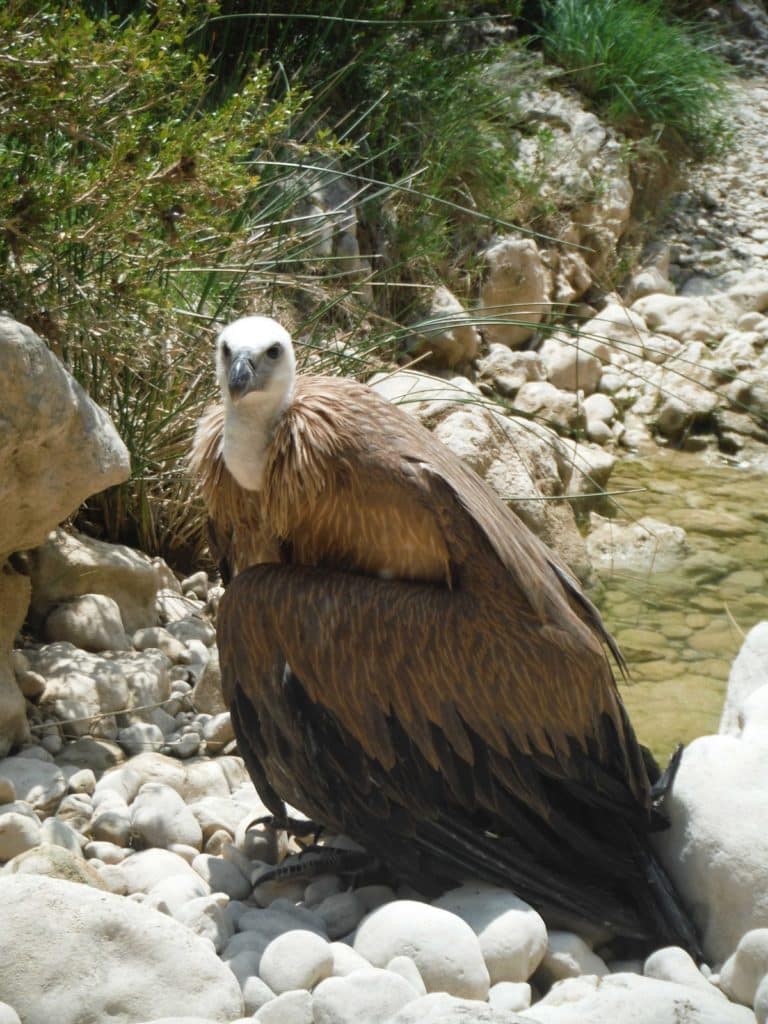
x=245, y=375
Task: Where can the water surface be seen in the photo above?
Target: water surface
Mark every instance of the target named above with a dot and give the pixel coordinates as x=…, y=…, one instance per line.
x=680, y=629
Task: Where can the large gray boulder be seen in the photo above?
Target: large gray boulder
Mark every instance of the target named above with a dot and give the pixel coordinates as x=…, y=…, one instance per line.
x=57, y=446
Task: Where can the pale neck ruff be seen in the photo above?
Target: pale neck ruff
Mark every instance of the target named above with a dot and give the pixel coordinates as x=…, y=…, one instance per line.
x=248, y=430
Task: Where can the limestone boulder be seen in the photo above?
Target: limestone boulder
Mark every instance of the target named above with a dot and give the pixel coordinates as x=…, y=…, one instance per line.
x=69, y=565
x=508, y=369
x=749, y=672
x=716, y=849
x=447, y=331
x=120, y=962
x=517, y=293
x=57, y=446
x=14, y=601
x=632, y=998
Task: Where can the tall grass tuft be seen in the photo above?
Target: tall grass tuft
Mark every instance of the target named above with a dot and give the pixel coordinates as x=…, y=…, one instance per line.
x=648, y=72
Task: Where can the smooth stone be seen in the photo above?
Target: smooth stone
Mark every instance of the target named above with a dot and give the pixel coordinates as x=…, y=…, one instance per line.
x=222, y=876
x=748, y=672
x=320, y=888
x=346, y=960
x=149, y=964
x=445, y=949
x=193, y=628
x=743, y=971
x=144, y=870
x=218, y=732
x=206, y=916
x=673, y=964
x=632, y=999
x=55, y=862
x=59, y=833
x=510, y=995
x=8, y=1015
x=295, y=1007
x=140, y=737
x=160, y=817
x=7, y=790
x=82, y=781
x=215, y=812
x=107, y=853
x=18, y=832
x=257, y=928
x=568, y=956
x=295, y=959
x=37, y=782
x=160, y=639
x=367, y=996
x=513, y=936
x=172, y=894
x=341, y=913
x=112, y=825
x=441, y=1008
x=407, y=969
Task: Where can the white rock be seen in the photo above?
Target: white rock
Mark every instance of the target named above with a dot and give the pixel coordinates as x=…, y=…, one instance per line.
x=57, y=446
x=150, y=965
x=162, y=640
x=568, y=365
x=296, y=959
x=632, y=999
x=81, y=781
x=568, y=956
x=18, y=832
x=516, y=295
x=206, y=916
x=749, y=671
x=36, y=782
x=8, y=1015
x=257, y=928
x=144, y=870
x=447, y=331
x=441, y=1008
x=406, y=968
x=368, y=996
x=107, y=853
x=222, y=876
x=288, y=1008
x=196, y=584
x=346, y=960
x=341, y=913
x=218, y=732
x=70, y=564
x=171, y=895
x=761, y=1001
x=112, y=825
x=510, y=995
x=193, y=628
x=7, y=790
x=743, y=971
x=558, y=409
x=509, y=369
x=214, y=813
x=140, y=737
x=716, y=849
x=673, y=964
x=160, y=817
x=60, y=833
x=445, y=949
x=513, y=936
x=645, y=545
x=91, y=622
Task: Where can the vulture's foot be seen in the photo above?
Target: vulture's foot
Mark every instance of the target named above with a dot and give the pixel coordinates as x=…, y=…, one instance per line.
x=320, y=860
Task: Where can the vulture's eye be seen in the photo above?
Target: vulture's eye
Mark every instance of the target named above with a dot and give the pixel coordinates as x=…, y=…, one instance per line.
x=225, y=350
x=273, y=351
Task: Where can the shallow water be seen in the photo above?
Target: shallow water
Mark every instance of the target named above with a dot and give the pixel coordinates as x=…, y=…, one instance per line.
x=680, y=629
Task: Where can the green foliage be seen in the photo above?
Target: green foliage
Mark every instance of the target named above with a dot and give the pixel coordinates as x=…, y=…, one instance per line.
x=648, y=73
x=127, y=203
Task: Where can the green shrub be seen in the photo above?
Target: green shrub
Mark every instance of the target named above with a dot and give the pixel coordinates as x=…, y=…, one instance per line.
x=648, y=73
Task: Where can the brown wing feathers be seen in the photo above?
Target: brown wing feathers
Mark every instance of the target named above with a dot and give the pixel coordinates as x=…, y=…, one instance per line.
x=446, y=671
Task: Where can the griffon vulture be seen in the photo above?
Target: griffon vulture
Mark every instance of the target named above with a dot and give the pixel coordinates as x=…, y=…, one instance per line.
x=406, y=662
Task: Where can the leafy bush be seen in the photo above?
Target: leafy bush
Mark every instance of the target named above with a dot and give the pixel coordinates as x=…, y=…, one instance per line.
x=648, y=73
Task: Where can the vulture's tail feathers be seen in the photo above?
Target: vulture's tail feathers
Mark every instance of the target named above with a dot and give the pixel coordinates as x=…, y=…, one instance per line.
x=672, y=923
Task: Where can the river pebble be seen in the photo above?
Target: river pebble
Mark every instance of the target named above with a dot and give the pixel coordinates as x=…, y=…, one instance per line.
x=295, y=959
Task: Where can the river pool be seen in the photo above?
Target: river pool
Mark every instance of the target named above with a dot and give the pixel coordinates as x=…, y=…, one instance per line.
x=680, y=629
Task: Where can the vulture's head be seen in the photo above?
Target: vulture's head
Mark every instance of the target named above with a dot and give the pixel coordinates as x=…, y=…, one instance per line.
x=256, y=371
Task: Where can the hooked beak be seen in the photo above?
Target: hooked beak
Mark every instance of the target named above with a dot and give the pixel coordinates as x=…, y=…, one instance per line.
x=244, y=377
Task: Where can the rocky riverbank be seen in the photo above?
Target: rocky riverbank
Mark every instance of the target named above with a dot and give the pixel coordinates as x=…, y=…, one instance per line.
x=132, y=858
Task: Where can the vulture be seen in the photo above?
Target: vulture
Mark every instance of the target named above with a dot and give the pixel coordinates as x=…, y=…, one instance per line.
x=407, y=664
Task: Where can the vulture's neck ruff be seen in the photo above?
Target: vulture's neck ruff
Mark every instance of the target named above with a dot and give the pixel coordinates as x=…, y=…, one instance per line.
x=256, y=371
